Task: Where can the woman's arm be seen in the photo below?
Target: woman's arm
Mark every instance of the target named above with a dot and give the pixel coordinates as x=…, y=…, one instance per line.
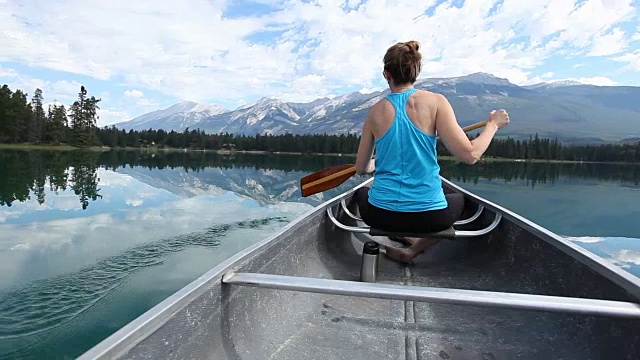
x=364, y=162
x=455, y=139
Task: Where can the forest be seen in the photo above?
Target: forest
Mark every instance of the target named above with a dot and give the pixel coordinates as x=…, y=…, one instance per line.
x=25, y=121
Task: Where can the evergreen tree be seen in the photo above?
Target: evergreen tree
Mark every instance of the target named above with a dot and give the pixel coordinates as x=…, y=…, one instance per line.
x=57, y=124
x=84, y=119
x=37, y=121
x=78, y=126
x=18, y=116
x=5, y=104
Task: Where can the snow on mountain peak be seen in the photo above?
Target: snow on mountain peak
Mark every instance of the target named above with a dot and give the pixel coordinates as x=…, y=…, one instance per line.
x=478, y=77
x=554, y=84
x=327, y=107
x=190, y=106
x=565, y=83
x=183, y=106
x=209, y=109
x=178, y=116
x=263, y=108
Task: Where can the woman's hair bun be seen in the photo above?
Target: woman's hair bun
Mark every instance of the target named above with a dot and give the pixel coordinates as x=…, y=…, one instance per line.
x=413, y=45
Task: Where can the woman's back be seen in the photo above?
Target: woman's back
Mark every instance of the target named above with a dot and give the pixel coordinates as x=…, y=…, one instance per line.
x=407, y=172
x=406, y=194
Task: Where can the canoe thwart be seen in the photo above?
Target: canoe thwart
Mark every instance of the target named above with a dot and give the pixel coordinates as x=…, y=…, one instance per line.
x=438, y=295
x=450, y=233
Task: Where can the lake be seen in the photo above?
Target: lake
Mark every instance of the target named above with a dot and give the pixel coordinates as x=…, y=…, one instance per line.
x=89, y=241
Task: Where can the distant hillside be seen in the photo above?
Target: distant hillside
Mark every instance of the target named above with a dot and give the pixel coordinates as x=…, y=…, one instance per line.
x=569, y=111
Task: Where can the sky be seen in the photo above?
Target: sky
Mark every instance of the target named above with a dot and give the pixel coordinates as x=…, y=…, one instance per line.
x=139, y=56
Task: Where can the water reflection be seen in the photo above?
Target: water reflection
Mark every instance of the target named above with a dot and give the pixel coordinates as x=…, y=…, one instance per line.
x=534, y=173
x=58, y=299
x=26, y=173
x=85, y=249
x=267, y=178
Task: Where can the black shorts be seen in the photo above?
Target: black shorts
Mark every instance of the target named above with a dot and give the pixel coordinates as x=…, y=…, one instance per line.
x=423, y=221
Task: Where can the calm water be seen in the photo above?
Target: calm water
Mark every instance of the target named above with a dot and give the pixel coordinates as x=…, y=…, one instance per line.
x=90, y=241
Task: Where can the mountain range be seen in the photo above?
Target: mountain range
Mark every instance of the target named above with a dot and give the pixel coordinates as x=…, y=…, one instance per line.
x=567, y=110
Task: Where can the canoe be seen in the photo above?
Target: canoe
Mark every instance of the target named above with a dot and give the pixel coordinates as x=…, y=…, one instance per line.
x=502, y=288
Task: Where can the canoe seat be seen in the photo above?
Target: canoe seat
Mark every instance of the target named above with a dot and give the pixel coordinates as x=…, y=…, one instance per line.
x=449, y=233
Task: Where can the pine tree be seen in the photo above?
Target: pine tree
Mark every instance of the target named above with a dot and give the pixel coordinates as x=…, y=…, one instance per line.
x=18, y=116
x=5, y=101
x=78, y=126
x=37, y=121
x=57, y=129
x=84, y=119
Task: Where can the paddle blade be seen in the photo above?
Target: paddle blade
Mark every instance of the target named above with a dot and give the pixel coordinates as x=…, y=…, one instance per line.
x=326, y=179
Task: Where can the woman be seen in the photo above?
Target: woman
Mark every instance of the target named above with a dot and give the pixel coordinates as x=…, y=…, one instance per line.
x=407, y=194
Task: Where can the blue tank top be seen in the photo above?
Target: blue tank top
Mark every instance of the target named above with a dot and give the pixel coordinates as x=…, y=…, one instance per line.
x=406, y=177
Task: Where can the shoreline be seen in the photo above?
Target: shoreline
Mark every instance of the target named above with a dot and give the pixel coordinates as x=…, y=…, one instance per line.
x=51, y=147
x=66, y=147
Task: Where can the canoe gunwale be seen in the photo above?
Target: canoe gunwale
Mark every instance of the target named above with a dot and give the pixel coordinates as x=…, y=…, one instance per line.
x=619, y=276
x=138, y=329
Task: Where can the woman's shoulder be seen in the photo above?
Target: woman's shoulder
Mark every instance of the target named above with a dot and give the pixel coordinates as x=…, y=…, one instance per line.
x=427, y=98
x=426, y=94
x=382, y=106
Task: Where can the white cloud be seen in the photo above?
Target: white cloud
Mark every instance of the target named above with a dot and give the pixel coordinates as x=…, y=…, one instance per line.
x=53, y=91
x=324, y=47
x=135, y=94
x=595, y=80
x=626, y=257
x=367, y=90
x=611, y=43
x=138, y=98
x=108, y=116
x=585, y=239
x=7, y=73
x=632, y=60
x=63, y=88
x=134, y=202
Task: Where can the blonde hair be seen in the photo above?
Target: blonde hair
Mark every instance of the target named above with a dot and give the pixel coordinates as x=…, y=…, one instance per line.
x=403, y=62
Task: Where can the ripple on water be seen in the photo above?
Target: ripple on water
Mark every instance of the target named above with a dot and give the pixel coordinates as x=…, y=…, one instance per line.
x=45, y=304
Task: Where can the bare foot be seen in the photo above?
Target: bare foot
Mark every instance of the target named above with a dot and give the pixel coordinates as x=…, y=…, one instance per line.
x=403, y=255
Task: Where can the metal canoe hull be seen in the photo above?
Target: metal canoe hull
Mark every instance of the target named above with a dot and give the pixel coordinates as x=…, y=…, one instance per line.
x=209, y=319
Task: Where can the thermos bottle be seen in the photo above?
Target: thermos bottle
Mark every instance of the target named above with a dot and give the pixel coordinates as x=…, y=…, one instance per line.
x=369, y=267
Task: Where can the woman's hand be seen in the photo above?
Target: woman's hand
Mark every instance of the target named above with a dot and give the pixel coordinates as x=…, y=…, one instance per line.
x=499, y=118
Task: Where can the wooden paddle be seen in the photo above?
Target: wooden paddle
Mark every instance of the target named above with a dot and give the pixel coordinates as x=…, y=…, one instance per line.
x=331, y=177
